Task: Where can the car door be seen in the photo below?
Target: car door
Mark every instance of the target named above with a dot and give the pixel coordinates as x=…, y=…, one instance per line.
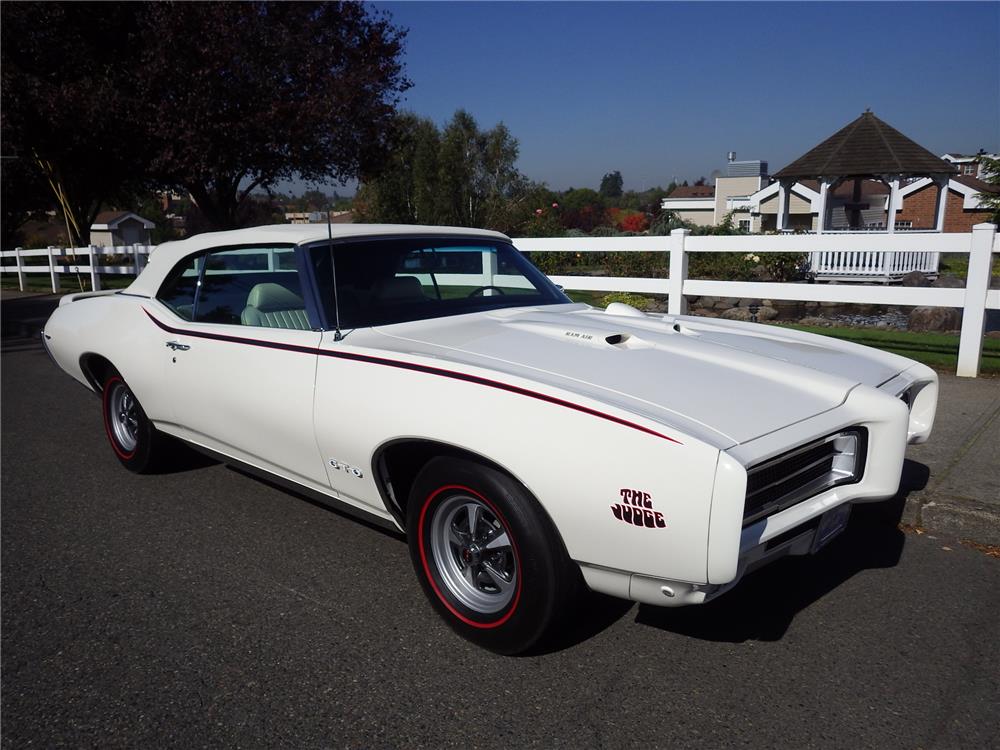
x=240, y=358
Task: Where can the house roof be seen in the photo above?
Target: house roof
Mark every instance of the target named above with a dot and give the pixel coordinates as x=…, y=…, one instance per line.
x=693, y=191
x=866, y=146
x=976, y=184
x=108, y=220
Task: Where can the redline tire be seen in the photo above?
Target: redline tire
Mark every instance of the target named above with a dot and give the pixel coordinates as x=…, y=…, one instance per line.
x=134, y=440
x=486, y=555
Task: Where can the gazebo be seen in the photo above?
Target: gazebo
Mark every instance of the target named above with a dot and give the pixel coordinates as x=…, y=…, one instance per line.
x=865, y=149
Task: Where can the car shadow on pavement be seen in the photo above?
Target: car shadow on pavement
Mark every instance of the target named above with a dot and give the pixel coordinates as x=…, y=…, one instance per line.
x=764, y=604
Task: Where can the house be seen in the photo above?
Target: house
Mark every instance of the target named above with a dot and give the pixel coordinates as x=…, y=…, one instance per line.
x=708, y=205
x=968, y=164
x=120, y=228
x=319, y=217
x=962, y=209
x=693, y=203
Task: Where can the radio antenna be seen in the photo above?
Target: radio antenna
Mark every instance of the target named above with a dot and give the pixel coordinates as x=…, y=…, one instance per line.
x=337, y=336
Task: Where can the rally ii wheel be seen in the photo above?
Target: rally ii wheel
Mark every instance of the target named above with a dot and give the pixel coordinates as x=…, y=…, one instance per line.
x=135, y=441
x=486, y=554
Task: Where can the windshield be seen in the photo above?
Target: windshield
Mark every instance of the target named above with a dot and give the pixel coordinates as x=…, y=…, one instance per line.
x=383, y=281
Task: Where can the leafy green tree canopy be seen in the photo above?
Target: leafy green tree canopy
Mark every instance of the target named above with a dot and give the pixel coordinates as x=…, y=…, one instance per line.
x=66, y=112
x=217, y=99
x=611, y=185
x=459, y=175
x=991, y=175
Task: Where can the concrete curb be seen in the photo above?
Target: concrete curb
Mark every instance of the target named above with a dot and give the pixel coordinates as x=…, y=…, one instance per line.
x=961, y=519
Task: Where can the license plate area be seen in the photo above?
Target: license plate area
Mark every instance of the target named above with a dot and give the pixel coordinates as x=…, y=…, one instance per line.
x=830, y=525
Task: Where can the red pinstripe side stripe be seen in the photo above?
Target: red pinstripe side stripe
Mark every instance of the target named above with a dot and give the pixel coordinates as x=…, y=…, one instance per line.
x=399, y=364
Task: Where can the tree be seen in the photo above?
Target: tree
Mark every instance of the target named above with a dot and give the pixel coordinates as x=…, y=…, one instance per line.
x=406, y=189
x=24, y=192
x=67, y=113
x=611, y=185
x=459, y=176
x=991, y=175
x=248, y=94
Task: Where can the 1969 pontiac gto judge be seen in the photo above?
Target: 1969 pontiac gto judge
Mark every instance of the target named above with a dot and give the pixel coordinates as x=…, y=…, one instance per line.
x=432, y=380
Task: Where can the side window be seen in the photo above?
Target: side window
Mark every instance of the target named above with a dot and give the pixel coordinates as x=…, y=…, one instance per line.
x=178, y=290
x=249, y=286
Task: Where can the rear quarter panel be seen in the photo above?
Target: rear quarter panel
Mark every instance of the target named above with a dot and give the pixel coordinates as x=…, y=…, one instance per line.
x=116, y=328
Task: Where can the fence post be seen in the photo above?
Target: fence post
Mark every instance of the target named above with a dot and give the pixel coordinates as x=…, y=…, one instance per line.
x=676, y=304
x=20, y=268
x=53, y=276
x=95, y=278
x=974, y=315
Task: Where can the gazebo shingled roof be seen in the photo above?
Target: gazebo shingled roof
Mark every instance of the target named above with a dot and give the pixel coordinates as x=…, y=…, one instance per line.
x=866, y=146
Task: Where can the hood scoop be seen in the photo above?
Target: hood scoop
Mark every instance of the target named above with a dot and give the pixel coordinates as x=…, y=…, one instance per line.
x=607, y=338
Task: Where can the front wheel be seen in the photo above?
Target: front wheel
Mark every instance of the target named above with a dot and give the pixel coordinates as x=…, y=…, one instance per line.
x=135, y=441
x=486, y=554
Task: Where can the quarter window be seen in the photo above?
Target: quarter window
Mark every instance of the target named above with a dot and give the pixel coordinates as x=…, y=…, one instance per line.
x=249, y=286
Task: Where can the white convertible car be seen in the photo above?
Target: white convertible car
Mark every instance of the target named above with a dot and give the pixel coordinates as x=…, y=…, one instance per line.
x=433, y=380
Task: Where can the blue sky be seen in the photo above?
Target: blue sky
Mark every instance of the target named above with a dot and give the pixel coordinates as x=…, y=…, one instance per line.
x=664, y=90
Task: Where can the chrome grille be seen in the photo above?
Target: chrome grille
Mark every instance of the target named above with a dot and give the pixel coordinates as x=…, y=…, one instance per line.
x=790, y=478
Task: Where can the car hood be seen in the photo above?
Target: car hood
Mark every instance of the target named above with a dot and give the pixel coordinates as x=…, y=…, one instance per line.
x=725, y=381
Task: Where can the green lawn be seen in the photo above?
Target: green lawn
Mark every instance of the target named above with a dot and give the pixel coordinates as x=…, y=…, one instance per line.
x=938, y=350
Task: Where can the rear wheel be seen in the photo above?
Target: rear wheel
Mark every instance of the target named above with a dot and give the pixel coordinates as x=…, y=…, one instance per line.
x=135, y=441
x=486, y=554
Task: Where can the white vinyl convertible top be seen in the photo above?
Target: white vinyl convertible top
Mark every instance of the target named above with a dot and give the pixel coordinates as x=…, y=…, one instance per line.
x=165, y=256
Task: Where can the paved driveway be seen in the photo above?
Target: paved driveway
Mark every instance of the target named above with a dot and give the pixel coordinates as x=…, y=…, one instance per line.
x=205, y=609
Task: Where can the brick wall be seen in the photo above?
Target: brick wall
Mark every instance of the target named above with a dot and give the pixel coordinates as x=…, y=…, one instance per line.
x=919, y=208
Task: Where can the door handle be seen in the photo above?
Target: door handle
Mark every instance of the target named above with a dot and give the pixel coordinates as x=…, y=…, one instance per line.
x=177, y=346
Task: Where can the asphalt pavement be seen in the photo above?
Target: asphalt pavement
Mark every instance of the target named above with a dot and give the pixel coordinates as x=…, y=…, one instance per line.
x=203, y=608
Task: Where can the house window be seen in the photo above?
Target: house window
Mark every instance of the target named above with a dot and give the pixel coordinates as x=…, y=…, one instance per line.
x=969, y=168
x=744, y=225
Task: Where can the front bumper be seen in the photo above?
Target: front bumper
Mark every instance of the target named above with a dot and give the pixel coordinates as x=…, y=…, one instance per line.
x=907, y=416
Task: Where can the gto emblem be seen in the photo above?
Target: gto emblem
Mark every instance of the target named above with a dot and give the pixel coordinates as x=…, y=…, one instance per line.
x=346, y=468
x=636, y=508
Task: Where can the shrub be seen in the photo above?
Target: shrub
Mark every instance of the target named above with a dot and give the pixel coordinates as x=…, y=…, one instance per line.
x=636, y=300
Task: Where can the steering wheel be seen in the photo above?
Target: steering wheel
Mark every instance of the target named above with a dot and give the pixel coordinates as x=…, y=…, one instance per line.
x=481, y=289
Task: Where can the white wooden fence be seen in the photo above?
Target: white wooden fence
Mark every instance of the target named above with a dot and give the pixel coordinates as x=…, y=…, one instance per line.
x=77, y=261
x=974, y=299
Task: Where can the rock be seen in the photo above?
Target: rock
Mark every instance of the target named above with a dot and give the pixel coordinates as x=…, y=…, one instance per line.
x=707, y=302
x=743, y=313
x=811, y=305
x=948, y=282
x=724, y=303
x=934, y=319
x=707, y=313
x=993, y=334
x=914, y=278
x=749, y=301
x=814, y=321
